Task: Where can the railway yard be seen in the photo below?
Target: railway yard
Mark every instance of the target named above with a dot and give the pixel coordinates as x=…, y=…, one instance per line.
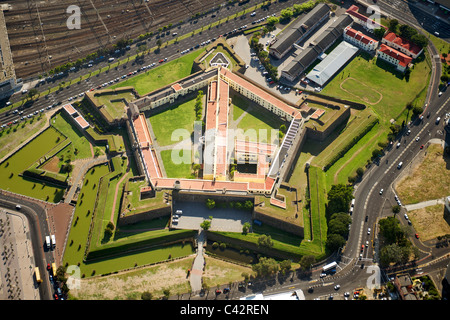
x=40, y=39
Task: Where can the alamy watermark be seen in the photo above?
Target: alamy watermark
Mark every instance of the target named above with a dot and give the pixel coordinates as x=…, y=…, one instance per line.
x=74, y=279
x=74, y=20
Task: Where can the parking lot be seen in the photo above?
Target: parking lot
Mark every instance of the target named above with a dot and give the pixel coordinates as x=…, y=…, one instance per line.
x=194, y=213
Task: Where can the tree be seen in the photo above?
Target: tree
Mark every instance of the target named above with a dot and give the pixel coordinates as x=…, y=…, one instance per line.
x=286, y=14
x=210, y=203
x=396, y=209
x=271, y=21
x=248, y=205
x=360, y=171
x=32, y=92
x=336, y=226
x=146, y=295
x=339, y=198
x=307, y=261
x=407, y=32
x=334, y=242
x=265, y=266
x=206, y=224
x=265, y=241
x=285, y=266
x=392, y=26
x=246, y=227
x=379, y=33
x=420, y=40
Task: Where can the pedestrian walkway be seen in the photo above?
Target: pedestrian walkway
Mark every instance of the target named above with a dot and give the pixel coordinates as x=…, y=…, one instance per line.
x=78, y=178
x=424, y=204
x=198, y=265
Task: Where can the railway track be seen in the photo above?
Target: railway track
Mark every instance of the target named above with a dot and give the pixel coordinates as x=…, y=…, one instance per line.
x=36, y=33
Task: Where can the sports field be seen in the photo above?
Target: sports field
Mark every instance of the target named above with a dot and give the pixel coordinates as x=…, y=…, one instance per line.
x=375, y=83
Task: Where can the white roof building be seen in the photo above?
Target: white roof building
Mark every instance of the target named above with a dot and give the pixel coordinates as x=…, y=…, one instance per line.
x=332, y=63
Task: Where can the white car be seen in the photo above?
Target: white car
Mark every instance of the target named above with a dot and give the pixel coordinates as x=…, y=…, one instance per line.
x=336, y=287
x=368, y=230
x=381, y=191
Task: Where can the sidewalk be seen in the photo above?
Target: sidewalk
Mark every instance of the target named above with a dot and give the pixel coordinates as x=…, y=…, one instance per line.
x=198, y=265
x=424, y=204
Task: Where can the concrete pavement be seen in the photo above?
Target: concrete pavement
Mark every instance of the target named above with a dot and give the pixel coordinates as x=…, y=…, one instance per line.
x=424, y=204
x=198, y=265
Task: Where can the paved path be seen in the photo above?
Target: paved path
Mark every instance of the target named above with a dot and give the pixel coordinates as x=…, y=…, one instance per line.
x=424, y=204
x=198, y=265
x=76, y=180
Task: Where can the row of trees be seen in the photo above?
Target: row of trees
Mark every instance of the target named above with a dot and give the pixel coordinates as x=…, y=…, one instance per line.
x=296, y=9
x=339, y=199
x=242, y=205
x=408, y=33
x=199, y=105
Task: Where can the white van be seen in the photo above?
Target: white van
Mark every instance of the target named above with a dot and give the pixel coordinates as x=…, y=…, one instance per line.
x=47, y=242
x=400, y=165
x=179, y=212
x=353, y=202
x=53, y=240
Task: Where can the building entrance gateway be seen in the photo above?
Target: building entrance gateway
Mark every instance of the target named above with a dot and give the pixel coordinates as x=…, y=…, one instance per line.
x=219, y=59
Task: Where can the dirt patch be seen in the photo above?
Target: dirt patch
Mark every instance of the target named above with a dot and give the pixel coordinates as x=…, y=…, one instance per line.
x=430, y=222
x=52, y=165
x=428, y=177
x=131, y=284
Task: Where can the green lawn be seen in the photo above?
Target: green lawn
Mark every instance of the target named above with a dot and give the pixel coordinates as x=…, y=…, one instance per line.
x=257, y=124
x=80, y=147
x=11, y=169
x=175, y=170
x=115, y=108
x=12, y=137
x=79, y=230
x=326, y=150
x=177, y=120
x=161, y=75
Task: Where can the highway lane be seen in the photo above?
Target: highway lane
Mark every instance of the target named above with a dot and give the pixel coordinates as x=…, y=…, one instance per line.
x=39, y=228
x=369, y=202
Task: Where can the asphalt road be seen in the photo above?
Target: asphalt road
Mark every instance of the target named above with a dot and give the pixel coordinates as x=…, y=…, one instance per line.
x=367, y=194
x=39, y=228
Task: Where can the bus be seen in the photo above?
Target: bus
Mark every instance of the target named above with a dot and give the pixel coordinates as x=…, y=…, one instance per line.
x=54, y=269
x=38, y=275
x=330, y=266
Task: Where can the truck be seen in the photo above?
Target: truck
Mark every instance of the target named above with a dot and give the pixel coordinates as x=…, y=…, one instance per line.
x=330, y=266
x=37, y=274
x=47, y=242
x=53, y=240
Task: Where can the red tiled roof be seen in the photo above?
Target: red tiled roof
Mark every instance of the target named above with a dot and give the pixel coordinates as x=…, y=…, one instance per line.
x=260, y=92
x=353, y=11
x=82, y=122
x=176, y=87
x=402, y=58
x=359, y=36
x=70, y=110
x=402, y=42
